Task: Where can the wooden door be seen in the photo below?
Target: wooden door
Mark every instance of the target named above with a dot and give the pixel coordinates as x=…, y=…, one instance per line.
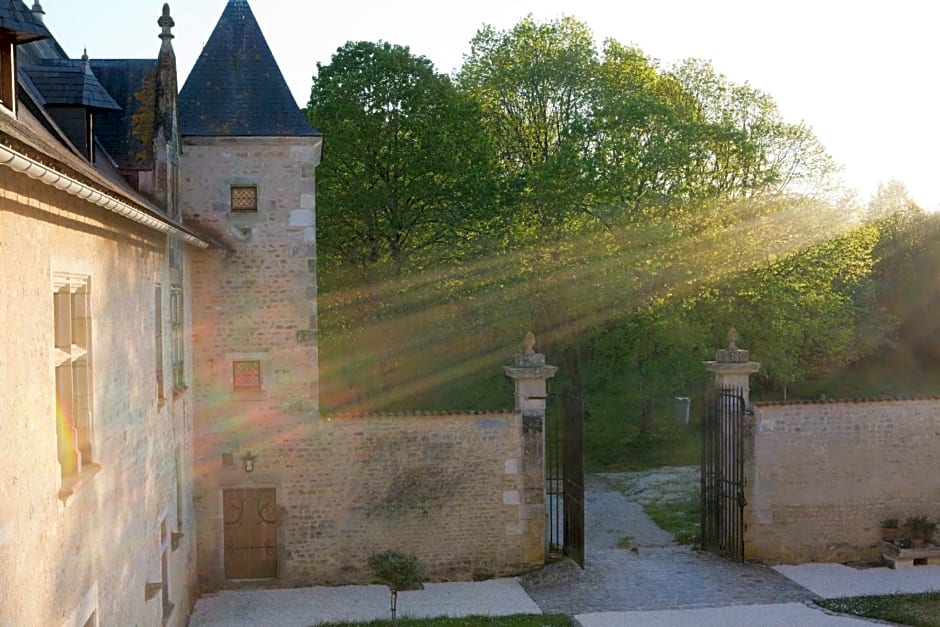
x=250, y=533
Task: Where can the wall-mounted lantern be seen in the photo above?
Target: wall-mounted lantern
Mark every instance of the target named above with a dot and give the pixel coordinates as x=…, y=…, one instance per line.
x=249, y=461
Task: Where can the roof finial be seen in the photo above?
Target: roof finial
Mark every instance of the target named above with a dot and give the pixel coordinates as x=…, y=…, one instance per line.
x=85, y=66
x=37, y=10
x=166, y=23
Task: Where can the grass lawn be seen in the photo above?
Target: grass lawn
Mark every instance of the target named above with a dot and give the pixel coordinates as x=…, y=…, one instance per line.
x=613, y=441
x=921, y=610
x=519, y=620
x=680, y=517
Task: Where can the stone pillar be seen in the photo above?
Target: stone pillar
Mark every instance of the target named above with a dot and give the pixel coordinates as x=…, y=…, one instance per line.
x=733, y=367
x=530, y=373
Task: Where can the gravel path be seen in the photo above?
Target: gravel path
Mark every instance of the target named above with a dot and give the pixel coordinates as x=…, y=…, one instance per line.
x=659, y=574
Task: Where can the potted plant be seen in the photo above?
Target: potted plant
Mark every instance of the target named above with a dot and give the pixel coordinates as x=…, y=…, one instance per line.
x=919, y=529
x=889, y=529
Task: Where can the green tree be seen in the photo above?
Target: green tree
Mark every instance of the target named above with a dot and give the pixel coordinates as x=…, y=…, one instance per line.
x=534, y=83
x=408, y=171
x=745, y=148
x=645, y=123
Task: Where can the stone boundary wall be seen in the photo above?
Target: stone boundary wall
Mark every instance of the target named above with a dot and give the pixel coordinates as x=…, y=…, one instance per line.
x=451, y=488
x=821, y=476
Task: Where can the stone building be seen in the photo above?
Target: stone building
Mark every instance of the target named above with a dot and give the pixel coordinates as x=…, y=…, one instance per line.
x=159, y=372
x=96, y=370
x=249, y=158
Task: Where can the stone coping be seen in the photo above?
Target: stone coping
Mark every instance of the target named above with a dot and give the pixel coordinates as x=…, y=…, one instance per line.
x=420, y=414
x=836, y=401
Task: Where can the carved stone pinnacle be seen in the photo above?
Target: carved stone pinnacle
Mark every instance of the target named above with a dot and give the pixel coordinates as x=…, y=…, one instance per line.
x=530, y=343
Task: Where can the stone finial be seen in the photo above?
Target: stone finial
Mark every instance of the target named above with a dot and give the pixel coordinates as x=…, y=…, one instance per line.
x=733, y=354
x=166, y=23
x=530, y=343
x=85, y=66
x=37, y=10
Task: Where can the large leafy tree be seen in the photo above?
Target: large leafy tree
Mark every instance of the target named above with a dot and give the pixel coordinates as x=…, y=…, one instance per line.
x=744, y=146
x=534, y=83
x=645, y=125
x=407, y=172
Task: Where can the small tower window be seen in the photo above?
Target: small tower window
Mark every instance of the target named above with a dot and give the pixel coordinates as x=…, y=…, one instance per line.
x=246, y=375
x=244, y=199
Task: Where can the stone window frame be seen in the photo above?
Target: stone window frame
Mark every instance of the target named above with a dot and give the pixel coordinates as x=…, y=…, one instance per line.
x=177, y=339
x=229, y=381
x=159, y=370
x=243, y=209
x=73, y=380
x=238, y=381
x=165, y=537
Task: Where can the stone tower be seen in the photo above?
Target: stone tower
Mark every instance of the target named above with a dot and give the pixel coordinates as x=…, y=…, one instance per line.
x=248, y=164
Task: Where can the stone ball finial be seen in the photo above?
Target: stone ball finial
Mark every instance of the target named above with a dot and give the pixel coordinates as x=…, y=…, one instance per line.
x=166, y=23
x=530, y=343
x=733, y=338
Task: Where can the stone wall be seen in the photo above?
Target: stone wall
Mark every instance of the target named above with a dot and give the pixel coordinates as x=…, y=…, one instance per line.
x=447, y=487
x=257, y=301
x=63, y=559
x=823, y=475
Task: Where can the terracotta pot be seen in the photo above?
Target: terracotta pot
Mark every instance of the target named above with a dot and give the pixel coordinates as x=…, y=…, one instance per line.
x=889, y=534
x=917, y=542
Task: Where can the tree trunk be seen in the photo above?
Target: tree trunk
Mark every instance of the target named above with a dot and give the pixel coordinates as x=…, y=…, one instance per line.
x=646, y=417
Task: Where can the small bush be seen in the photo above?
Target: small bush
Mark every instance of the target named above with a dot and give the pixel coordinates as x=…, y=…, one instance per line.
x=399, y=571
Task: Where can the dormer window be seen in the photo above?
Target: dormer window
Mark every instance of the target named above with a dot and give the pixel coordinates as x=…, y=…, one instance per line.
x=244, y=199
x=18, y=25
x=73, y=96
x=8, y=73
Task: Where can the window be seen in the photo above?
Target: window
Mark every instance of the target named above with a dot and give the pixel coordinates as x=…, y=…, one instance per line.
x=158, y=338
x=244, y=199
x=7, y=73
x=73, y=373
x=176, y=339
x=165, y=571
x=246, y=375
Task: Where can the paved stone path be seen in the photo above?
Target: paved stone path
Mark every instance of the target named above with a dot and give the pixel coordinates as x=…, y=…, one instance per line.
x=660, y=575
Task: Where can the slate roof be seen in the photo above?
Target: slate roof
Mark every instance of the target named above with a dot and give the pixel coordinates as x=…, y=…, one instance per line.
x=69, y=82
x=22, y=22
x=132, y=83
x=236, y=88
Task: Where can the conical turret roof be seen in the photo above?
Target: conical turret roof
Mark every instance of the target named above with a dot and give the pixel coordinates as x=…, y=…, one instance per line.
x=236, y=88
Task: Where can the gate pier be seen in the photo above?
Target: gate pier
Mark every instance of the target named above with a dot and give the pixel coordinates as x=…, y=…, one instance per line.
x=724, y=424
x=530, y=373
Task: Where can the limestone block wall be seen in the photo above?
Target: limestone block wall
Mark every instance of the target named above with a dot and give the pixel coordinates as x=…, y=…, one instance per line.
x=823, y=475
x=449, y=488
x=258, y=301
x=64, y=559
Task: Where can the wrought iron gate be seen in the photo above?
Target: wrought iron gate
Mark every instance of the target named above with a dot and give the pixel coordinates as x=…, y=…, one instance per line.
x=573, y=465
x=722, y=474
x=564, y=478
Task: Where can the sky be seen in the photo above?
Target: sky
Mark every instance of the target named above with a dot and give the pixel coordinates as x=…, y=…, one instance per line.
x=863, y=75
